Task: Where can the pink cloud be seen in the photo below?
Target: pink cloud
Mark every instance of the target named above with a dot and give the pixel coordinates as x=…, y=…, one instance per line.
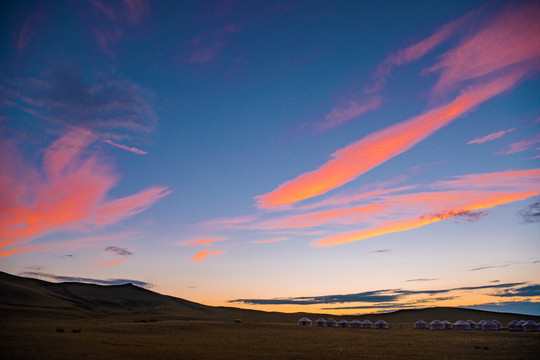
x=207, y=46
x=205, y=241
x=520, y=146
x=511, y=39
x=29, y=29
x=69, y=193
x=268, y=241
x=18, y=250
x=490, y=137
x=202, y=255
x=462, y=196
x=111, y=263
x=359, y=157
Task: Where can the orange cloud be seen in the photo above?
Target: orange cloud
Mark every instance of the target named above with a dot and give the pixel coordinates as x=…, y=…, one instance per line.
x=268, y=241
x=69, y=192
x=479, y=192
x=111, y=263
x=359, y=157
x=203, y=241
x=18, y=251
x=202, y=255
x=341, y=114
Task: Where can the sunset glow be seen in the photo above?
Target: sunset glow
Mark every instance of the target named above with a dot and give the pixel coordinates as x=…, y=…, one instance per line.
x=342, y=157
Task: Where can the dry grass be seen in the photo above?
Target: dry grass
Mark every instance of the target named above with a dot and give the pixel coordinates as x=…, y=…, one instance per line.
x=101, y=339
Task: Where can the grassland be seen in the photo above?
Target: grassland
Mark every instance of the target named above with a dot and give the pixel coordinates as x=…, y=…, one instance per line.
x=41, y=320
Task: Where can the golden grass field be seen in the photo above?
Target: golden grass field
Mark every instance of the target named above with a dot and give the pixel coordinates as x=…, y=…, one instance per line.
x=115, y=339
x=42, y=320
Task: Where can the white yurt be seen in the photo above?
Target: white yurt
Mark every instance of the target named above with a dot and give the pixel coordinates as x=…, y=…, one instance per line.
x=320, y=322
x=479, y=324
x=519, y=325
x=331, y=323
x=530, y=326
x=436, y=325
x=343, y=323
x=512, y=325
x=366, y=324
x=420, y=324
x=304, y=322
x=447, y=324
x=381, y=324
x=355, y=324
x=498, y=323
x=461, y=325
x=490, y=325
x=471, y=323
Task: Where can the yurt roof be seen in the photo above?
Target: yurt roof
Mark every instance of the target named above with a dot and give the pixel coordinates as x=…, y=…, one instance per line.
x=304, y=319
x=529, y=322
x=343, y=321
x=330, y=320
x=482, y=322
x=420, y=322
x=366, y=322
x=434, y=322
x=446, y=322
x=320, y=319
x=496, y=322
x=488, y=323
x=471, y=322
x=461, y=322
x=356, y=321
x=521, y=322
x=381, y=322
x=513, y=322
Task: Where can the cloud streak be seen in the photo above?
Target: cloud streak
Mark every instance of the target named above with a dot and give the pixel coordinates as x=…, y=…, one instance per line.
x=202, y=255
x=357, y=158
x=118, y=251
x=127, y=148
x=69, y=193
x=110, y=263
x=490, y=137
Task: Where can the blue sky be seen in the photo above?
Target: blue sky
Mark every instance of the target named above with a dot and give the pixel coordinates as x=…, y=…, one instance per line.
x=256, y=153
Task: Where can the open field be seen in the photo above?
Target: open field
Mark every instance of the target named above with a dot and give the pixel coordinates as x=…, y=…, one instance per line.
x=42, y=320
x=102, y=339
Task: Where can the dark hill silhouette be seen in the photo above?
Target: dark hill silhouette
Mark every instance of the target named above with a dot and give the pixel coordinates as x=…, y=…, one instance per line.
x=20, y=296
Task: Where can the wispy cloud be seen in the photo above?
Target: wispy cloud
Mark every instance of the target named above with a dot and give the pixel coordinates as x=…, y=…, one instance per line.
x=29, y=29
x=531, y=214
x=525, y=291
x=205, y=241
x=60, y=278
x=463, y=195
x=357, y=158
x=206, y=47
x=381, y=251
x=341, y=114
x=490, y=137
x=69, y=193
x=127, y=148
x=520, y=146
x=202, y=255
x=118, y=251
x=420, y=279
x=376, y=296
x=110, y=263
x=267, y=241
x=486, y=267
x=117, y=17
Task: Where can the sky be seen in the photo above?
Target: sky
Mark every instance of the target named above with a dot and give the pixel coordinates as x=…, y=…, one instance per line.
x=343, y=157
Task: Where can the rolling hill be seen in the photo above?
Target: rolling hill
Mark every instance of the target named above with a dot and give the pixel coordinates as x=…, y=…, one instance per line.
x=26, y=297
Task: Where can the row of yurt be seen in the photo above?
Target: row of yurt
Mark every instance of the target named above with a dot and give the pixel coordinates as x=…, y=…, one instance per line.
x=458, y=325
x=523, y=325
x=356, y=324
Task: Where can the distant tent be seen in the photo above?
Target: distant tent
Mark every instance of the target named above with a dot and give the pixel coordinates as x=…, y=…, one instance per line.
x=447, y=324
x=343, y=323
x=490, y=325
x=461, y=325
x=366, y=324
x=381, y=324
x=479, y=324
x=320, y=322
x=420, y=324
x=355, y=324
x=471, y=323
x=519, y=325
x=331, y=323
x=512, y=325
x=498, y=323
x=530, y=326
x=304, y=322
x=436, y=325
